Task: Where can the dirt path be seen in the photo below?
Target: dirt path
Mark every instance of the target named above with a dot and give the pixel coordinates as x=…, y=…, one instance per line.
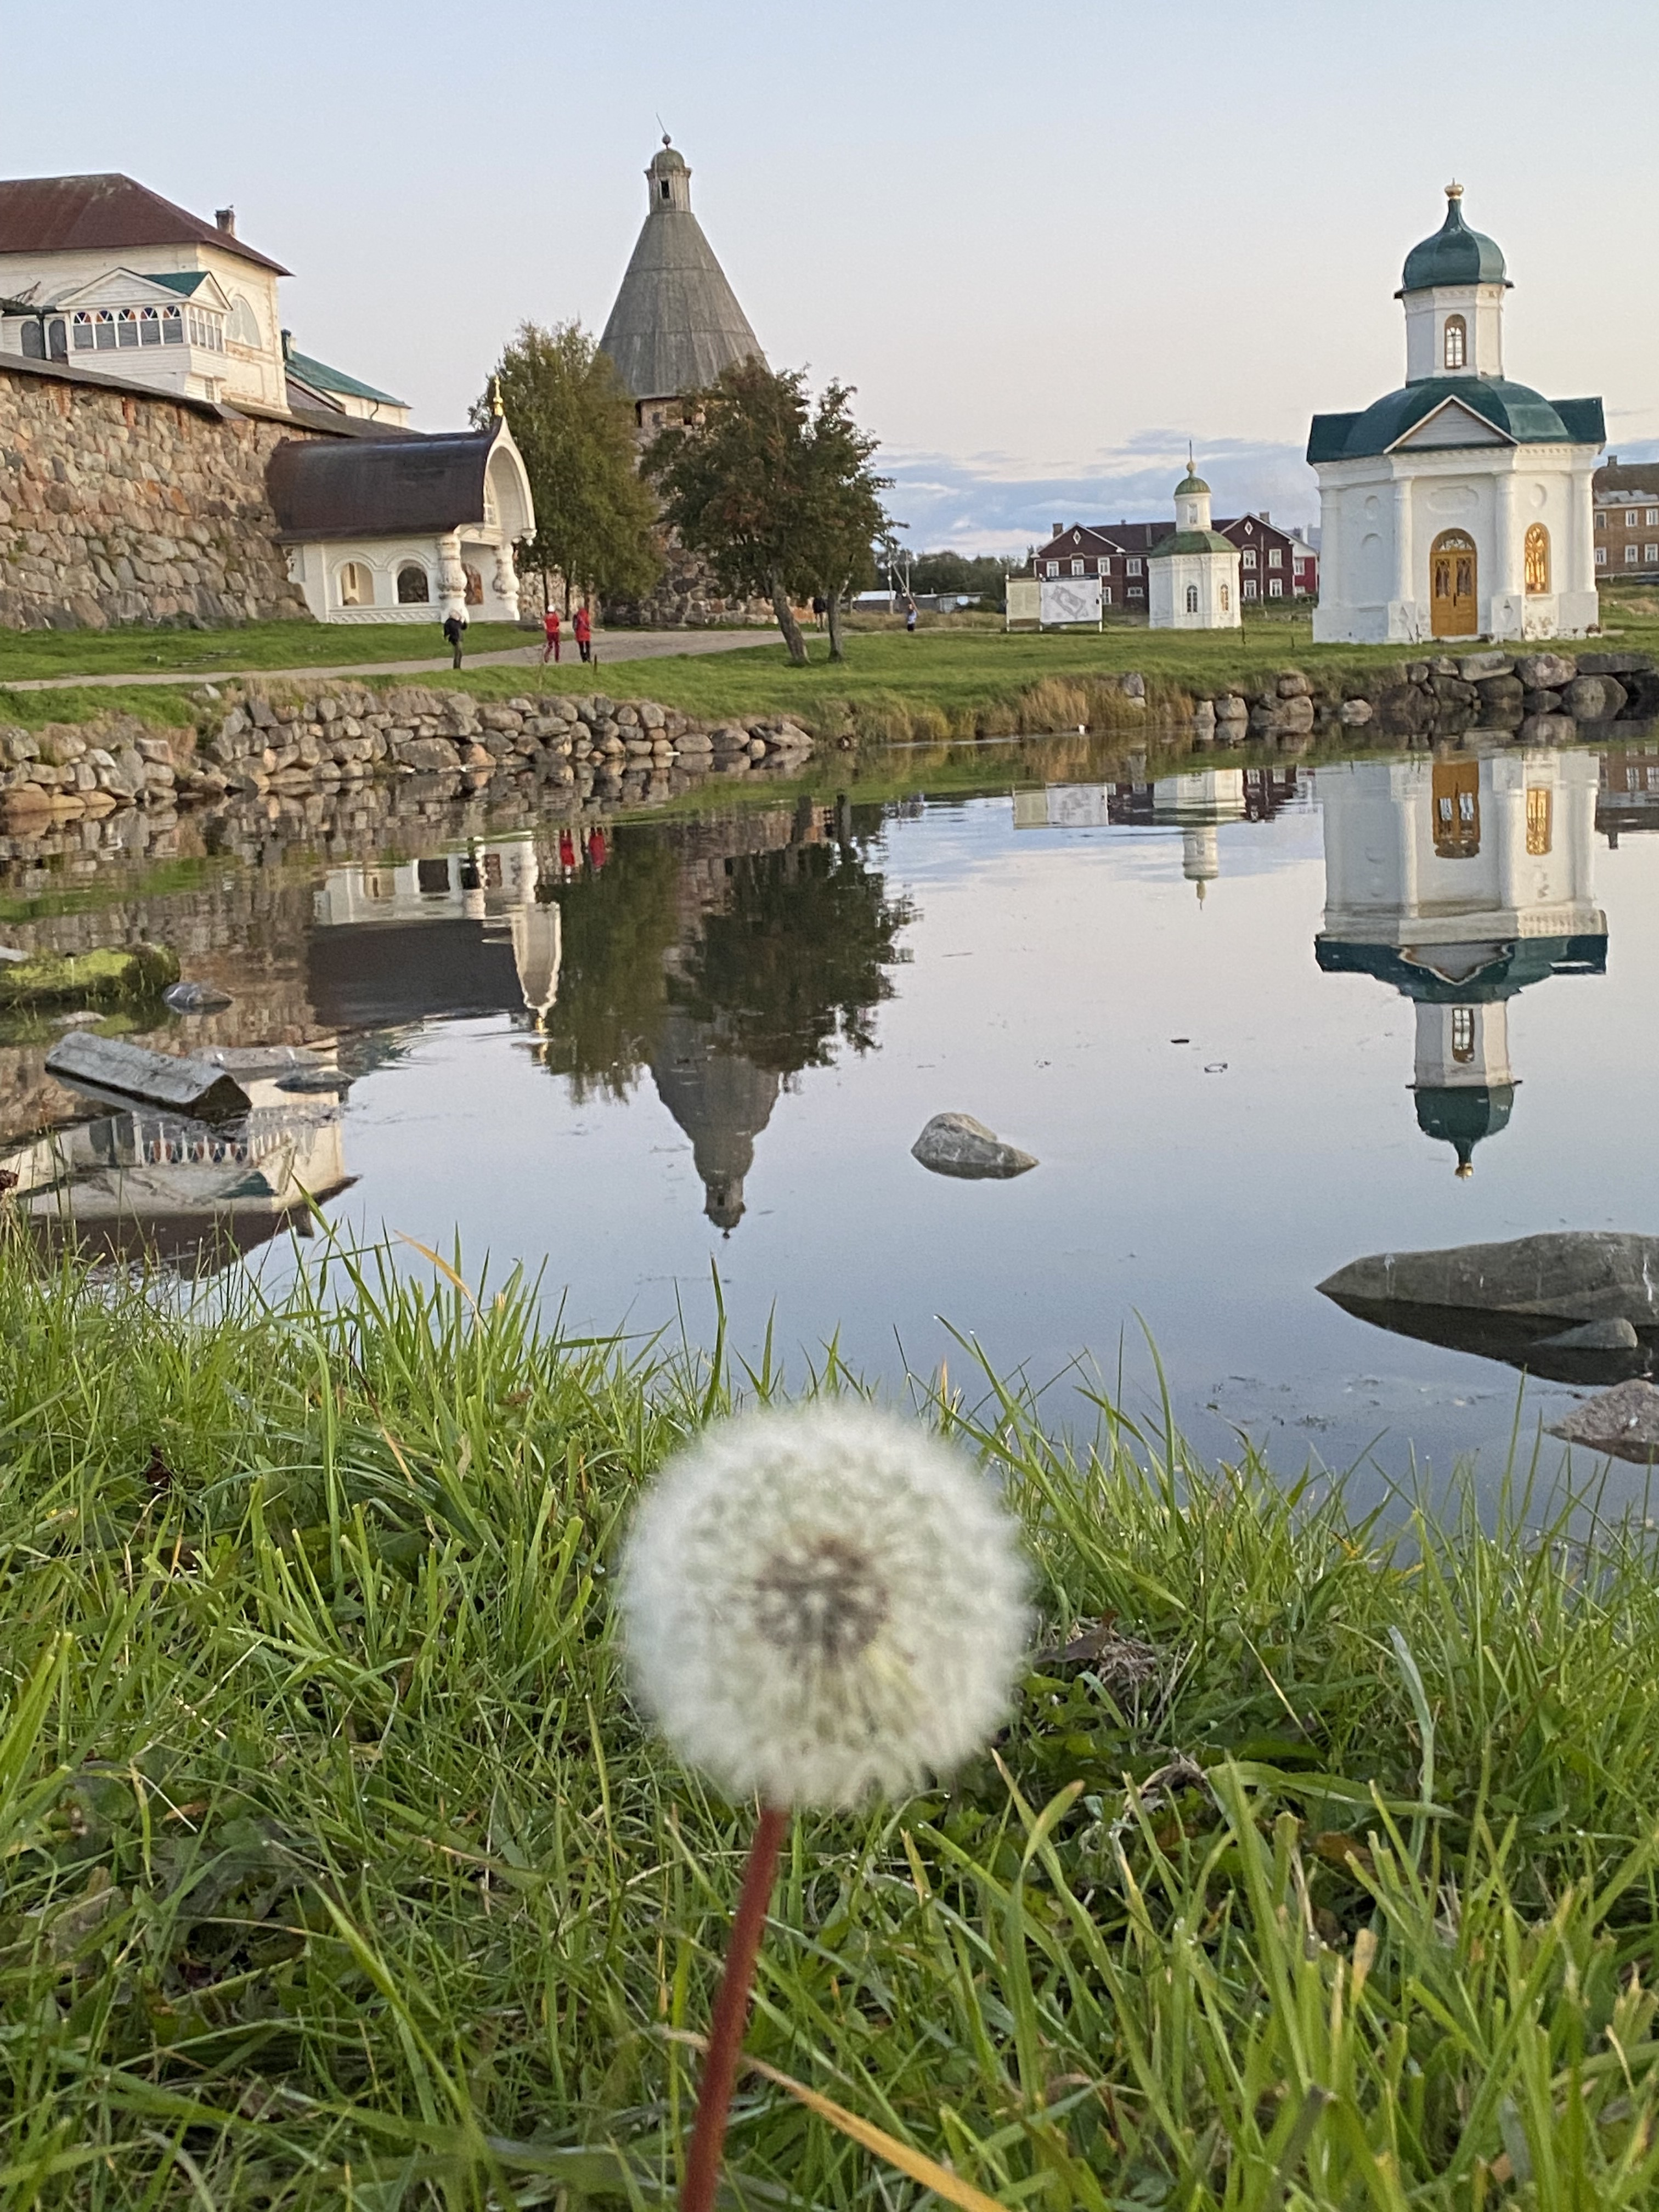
x=608, y=646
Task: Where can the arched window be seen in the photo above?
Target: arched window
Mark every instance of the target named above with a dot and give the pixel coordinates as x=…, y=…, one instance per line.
x=1457, y=342
x=357, y=585
x=1463, y=1035
x=1192, y=599
x=1537, y=557
x=474, y=588
x=244, y=324
x=1226, y=599
x=414, y=589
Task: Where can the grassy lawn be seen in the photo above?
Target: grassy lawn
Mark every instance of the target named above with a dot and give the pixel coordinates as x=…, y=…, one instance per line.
x=26, y=653
x=339, y=1869
x=939, y=684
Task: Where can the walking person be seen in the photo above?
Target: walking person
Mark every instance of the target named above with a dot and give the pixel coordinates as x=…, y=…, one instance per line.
x=455, y=634
x=584, y=629
x=910, y=617
x=550, y=632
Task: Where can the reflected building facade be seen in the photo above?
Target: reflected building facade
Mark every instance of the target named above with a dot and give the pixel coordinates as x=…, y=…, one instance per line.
x=1460, y=882
x=1197, y=803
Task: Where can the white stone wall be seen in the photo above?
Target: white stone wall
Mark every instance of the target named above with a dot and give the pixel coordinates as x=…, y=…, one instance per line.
x=1382, y=515
x=316, y=569
x=1214, y=576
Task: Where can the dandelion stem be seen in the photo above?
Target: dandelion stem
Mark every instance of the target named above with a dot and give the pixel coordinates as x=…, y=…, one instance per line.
x=719, y=2066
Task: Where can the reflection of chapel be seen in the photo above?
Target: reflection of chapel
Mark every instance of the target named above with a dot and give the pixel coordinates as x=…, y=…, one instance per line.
x=1460, y=882
x=1459, y=506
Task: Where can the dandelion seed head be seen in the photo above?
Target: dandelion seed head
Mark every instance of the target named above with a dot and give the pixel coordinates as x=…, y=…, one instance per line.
x=823, y=1606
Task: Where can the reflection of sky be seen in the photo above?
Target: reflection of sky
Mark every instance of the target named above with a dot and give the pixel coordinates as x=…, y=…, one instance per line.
x=1204, y=1186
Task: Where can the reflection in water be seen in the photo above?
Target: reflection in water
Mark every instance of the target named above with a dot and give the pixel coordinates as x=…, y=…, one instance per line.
x=192, y=1195
x=1460, y=882
x=1196, y=803
x=723, y=956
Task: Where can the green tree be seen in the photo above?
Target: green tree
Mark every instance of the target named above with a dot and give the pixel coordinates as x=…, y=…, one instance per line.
x=573, y=420
x=844, y=507
x=776, y=498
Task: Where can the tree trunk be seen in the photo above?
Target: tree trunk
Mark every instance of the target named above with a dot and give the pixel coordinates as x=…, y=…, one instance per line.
x=834, y=597
x=786, y=622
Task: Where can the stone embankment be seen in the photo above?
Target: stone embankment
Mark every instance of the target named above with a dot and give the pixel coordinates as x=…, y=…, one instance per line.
x=1531, y=698
x=251, y=745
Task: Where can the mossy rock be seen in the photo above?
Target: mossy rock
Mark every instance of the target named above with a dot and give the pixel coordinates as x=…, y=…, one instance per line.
x=103, y=978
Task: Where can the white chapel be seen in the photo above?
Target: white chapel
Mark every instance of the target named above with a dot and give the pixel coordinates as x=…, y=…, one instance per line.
x=1192, y=575
x=1459, y=506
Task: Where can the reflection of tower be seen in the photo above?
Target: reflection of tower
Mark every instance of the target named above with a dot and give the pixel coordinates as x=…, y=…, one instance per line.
x=1460, y=882
x=720, y=1100
x=537, y=942
x=1201, y=855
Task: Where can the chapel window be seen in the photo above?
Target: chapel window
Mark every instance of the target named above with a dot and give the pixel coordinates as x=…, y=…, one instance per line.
x=357, y=585
x=664, y=188
x=1463, y=1035
x=1539, y=808
x=1192, y=599
x=1226, y=599
x=1457, y=341
x=414, y=589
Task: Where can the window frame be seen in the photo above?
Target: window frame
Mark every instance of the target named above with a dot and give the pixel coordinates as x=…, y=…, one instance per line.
x=1455, y=339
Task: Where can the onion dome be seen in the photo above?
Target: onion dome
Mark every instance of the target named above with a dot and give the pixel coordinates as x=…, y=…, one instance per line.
x=1454, y=255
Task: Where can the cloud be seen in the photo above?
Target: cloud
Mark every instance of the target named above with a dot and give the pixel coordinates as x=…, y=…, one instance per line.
x=996, y=503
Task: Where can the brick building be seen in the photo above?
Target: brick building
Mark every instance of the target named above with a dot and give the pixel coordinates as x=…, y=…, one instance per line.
x=1626, y=503
x=1273, y=564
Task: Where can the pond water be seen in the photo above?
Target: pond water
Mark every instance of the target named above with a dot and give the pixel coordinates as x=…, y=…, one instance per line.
x=1252, y=1022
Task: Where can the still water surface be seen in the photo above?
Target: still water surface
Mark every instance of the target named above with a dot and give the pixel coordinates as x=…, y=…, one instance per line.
x=1252, y=1022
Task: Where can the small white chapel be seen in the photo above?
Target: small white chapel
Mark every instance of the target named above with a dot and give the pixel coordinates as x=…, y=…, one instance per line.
x=1459, y=506
x=1192, y=575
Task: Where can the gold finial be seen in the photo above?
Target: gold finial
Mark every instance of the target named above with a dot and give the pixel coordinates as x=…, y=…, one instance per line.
x=1190, y=470
x=496, y=406
x=1200, y=890
x=1454, y=191
x=1465, y=1170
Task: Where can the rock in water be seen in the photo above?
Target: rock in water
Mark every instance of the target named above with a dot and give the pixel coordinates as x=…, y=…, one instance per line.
x=111, y=1068
x=1624, y=1421
x=1567, y=1275
x=957, y=1145
x=195, y=999
x=1593, y=1336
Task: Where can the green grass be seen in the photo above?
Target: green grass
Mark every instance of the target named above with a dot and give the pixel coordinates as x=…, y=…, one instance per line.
x=28, y=653
x=338, y=1869
x=940, y=684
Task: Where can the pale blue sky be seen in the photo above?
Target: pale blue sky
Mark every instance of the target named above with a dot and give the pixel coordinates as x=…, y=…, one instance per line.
x=1048, y=243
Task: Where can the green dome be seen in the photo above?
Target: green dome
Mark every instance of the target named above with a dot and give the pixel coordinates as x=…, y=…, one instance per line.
x=1461, y=1118
x=1454, y=255
x=1190, y=484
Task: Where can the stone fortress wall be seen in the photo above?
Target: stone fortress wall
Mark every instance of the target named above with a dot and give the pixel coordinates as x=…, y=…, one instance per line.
x=118, y=507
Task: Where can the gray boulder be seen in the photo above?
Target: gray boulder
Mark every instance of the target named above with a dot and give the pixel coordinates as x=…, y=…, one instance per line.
x=1476, y=667
x=1546, y=671
x=196, y=998
x=958, y=1144
x=1593, y=1336
x=1594, y=698
x=1570, y=1275
x=1624, y=1421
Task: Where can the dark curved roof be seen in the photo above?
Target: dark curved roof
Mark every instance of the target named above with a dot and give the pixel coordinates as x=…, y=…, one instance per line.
x=1454, y=255
x=1461, y=1117
x=1510, y=968
x=374, y=487
x=104, y=213
x=1524, y=415
x=676, y=324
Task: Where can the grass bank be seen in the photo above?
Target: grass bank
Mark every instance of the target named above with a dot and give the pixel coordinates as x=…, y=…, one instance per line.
x=337, y=1870
x=27, y=655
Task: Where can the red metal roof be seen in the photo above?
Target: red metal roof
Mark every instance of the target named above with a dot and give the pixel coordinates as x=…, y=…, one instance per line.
x=61, y=215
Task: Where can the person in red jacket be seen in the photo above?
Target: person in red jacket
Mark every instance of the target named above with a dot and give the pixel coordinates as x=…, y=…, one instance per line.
x=550, y=632
x=584, y=628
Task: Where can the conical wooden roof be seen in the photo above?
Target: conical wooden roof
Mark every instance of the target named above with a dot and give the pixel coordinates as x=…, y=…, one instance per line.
x=676, y=322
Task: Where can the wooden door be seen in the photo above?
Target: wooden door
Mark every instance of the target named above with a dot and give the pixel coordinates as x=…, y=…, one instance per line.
x=1452, y=584
x=1455, y=790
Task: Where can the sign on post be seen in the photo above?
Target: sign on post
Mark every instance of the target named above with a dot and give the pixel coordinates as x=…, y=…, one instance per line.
x=1069, y=600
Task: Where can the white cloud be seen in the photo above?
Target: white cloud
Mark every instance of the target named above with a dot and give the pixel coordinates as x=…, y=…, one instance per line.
x=993, y=502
